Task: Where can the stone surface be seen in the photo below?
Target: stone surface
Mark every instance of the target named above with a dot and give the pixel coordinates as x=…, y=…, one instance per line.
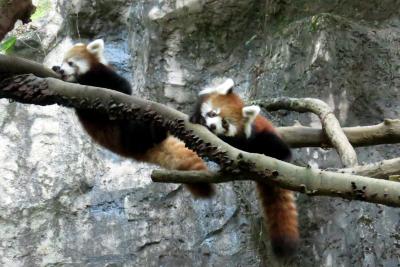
x=67, y=202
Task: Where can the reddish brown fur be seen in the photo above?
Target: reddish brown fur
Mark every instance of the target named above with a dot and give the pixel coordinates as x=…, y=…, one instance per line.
x=81, y=51
x=173, y=154
x=280, y=209
x=231, y=107
x=263, y=124
x=170, y=153
x=103, y=132
x=278, y=204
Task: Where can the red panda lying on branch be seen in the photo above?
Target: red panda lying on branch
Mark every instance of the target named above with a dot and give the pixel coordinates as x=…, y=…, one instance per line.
x=85, y=64
x=223, y=112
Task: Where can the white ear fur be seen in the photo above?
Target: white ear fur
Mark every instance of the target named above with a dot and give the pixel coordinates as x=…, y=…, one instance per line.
x=96, y=47
x=251, y=112
x=224, y=88
x=221, y=89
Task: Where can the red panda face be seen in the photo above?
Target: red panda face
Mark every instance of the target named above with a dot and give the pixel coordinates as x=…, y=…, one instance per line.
x=81, y=58
x=224, y=113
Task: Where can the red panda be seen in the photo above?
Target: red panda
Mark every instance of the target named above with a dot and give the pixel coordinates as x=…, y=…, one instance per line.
x=85, y=64
x=223, y=112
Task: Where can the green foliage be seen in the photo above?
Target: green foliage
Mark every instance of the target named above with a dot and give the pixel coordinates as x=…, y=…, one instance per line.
x=42, y=8
x=7, y=45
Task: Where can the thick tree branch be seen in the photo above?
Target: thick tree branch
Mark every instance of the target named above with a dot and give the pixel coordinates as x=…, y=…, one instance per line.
x=381, y=170
x=328, y=120
x=13, y=10
x=16, y=65
x=46, y=91
x=387, y=132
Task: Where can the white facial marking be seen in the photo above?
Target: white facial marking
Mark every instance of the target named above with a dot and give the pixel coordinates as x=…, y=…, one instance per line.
x=249, y=113
x=68, y=72
x=83, y=66
x=72, y=67
x=205, y=108
x=215, y=125
x=97, y=48
x=210, y=115
x=232, y=130
x=221, y=89
x=214, y=122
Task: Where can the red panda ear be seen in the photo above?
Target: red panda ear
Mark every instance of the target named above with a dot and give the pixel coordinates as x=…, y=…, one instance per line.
x=224, y=88
x=250, y=112
x=96, y=47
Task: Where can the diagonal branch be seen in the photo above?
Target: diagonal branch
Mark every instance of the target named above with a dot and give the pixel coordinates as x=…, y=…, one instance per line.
x=328, y=120
x=46, y=91
x=387, y=132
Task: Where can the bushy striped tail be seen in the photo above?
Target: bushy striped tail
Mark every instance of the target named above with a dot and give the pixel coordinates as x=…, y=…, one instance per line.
x=279, y=208
x=174, y=155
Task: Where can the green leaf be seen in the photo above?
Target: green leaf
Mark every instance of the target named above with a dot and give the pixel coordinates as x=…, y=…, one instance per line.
x=7, y=45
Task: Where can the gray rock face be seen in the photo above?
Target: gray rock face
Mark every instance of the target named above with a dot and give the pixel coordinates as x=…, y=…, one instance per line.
x=67, y=202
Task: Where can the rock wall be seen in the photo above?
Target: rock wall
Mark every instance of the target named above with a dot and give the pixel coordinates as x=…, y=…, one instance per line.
x=67, y=202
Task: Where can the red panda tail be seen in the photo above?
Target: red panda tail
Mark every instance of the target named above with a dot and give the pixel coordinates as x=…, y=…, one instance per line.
x=174, y=155
x=281, y=217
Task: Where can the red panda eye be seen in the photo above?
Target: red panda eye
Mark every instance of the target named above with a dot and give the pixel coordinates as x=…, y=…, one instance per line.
x=70, y=63
x=212, y=114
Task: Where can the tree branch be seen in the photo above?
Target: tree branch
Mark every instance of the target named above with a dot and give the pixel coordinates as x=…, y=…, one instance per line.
x=328, y=120
x=312, y=182
x=13, y=10
x=381, y=170
x=387, y=132
x=46, y=91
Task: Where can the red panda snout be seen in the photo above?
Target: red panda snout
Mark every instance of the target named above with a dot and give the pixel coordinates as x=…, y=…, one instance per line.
x=81, y=58
x=212, y=127
x=73, y=67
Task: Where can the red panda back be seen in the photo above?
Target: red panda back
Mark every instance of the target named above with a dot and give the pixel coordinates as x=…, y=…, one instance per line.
x=139, y=140
x=262, y=124
x=256, y=134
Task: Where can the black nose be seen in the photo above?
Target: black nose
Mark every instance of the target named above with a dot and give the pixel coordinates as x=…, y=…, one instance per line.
x=58, y=69
x=213, y=127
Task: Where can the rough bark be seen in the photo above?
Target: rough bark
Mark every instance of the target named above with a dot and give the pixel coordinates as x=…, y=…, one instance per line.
x=46, y=91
